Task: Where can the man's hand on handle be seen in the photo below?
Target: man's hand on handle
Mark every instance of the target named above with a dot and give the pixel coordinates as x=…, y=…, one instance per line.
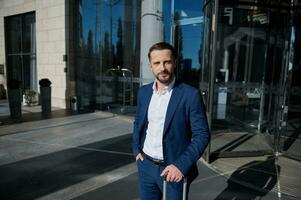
x=172, y=174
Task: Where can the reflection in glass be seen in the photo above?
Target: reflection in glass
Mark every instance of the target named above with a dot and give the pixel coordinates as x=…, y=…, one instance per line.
x=188, y=44
x=187, y=39
x=107, y=46
x=248, y=65
x=188, y=10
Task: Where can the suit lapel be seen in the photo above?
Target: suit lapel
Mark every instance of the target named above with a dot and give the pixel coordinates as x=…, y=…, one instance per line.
x=147, y=97
x=173, y=104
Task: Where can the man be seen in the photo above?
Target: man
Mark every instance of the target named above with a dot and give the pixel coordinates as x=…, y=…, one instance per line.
x=170, y=129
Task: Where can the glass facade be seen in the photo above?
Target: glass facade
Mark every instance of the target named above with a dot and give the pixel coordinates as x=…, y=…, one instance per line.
x=243, y=56
x=107, y=53
x=252, y=56
x=107, y=49
x=183, y=27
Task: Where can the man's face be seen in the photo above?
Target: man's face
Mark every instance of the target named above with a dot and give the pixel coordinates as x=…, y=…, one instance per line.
x=162, y=65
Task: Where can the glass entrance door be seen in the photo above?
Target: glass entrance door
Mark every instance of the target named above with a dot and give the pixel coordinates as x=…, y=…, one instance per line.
x=247, y=65
x=20, y=43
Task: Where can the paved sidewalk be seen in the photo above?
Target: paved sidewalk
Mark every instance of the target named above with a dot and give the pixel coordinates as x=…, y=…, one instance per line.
x=209, y=186
x=88, y=156
x=56, y=158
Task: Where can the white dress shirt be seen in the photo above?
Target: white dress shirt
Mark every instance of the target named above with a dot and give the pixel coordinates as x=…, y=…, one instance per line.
x=156, y=118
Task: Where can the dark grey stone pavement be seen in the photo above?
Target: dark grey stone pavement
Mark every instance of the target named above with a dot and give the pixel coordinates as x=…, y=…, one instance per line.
x=88, y=156
x=209, y=185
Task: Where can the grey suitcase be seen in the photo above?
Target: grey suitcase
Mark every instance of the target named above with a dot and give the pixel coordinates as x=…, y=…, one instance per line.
x=184, y=189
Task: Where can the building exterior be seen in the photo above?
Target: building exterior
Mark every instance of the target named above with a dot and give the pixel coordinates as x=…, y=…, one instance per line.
x=32, y=44
x=243, y=55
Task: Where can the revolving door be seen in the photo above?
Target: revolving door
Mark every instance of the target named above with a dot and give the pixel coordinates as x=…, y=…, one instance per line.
x=250, y=62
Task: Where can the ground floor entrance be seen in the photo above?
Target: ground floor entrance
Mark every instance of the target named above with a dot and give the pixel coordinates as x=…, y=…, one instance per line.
x=251, y=63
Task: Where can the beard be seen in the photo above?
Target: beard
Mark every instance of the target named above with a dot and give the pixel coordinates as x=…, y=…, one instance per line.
x=164, y=77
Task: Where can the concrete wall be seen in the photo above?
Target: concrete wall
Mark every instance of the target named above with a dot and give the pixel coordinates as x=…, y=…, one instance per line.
x=50, y=40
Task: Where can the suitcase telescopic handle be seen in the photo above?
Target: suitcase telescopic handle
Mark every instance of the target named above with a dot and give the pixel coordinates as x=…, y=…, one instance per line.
x=165, y=189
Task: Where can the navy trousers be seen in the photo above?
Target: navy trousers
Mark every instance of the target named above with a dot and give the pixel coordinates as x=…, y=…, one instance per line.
x=151, y=183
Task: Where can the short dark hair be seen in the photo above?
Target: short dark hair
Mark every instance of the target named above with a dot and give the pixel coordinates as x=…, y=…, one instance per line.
x=162, y=46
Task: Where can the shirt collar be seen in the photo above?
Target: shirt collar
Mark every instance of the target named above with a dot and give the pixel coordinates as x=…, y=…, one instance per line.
x=167, y=88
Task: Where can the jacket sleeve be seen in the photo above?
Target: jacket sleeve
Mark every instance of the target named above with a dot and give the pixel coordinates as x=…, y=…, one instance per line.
x=199, y=134
x=136, y=136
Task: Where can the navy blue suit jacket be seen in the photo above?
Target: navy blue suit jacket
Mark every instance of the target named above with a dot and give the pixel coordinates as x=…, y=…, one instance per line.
x=186, y=132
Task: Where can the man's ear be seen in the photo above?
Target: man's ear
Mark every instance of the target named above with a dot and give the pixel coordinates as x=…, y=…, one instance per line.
x=150, y=66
